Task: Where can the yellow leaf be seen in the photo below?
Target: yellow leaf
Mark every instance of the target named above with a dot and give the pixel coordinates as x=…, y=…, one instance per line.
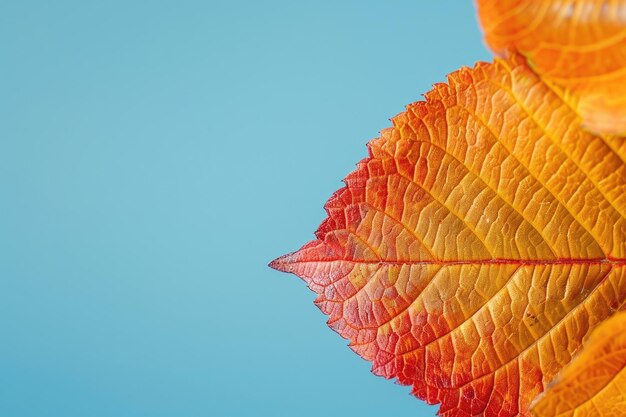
x=594, y=384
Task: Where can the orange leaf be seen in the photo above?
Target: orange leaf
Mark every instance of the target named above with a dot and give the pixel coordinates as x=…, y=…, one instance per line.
x=473, y=250
x=576, y=46
x=594, y=384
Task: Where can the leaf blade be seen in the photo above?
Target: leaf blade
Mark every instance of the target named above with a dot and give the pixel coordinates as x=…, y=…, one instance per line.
x=466, y=262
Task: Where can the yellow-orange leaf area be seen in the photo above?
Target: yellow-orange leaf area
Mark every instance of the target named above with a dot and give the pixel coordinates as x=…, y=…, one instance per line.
x=594, y=384
x=577, y=46
x=473, y=250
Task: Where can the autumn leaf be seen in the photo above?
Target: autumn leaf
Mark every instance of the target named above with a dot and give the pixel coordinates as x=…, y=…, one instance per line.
x=578, y=47
x=594, y=384
x=474, y=249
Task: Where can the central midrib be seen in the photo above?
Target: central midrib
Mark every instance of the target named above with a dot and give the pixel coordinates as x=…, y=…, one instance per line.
x=495, y=261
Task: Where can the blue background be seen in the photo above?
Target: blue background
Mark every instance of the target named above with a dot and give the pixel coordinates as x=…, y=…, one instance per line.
x=154, y=157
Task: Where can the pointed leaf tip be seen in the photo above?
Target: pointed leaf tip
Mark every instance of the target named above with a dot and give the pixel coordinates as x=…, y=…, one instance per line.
x=283, y=263
x=277, y=264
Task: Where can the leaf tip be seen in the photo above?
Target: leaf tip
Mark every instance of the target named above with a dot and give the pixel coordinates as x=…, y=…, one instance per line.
x=283, y=263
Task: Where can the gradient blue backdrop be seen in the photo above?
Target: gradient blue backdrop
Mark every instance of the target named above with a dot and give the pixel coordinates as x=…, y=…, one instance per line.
x=154, y=156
